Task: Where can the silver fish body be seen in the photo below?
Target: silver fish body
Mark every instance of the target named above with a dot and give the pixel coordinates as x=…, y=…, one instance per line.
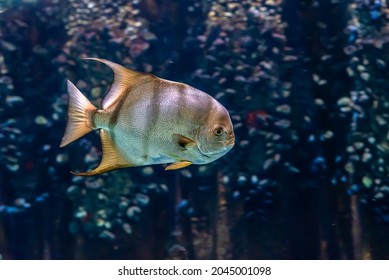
x=146, y=120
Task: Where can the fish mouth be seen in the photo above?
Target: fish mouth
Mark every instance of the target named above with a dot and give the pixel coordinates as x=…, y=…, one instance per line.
x=227, y=146
x=231, y=142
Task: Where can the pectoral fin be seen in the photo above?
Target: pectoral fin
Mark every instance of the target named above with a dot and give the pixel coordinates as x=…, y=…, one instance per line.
x=111, y=157
x=183, y=141
x=178, y=165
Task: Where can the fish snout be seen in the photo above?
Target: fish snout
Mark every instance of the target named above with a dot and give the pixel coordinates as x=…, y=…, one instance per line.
x=231, y=142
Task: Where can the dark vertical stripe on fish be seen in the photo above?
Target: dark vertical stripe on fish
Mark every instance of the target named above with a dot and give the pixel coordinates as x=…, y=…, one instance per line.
x=182, y=111
x=152, y=116
x=115, y=114
x=182, y=88
x=205, y=118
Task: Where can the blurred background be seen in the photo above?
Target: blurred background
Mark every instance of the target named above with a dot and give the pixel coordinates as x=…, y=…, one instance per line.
x=305, y=83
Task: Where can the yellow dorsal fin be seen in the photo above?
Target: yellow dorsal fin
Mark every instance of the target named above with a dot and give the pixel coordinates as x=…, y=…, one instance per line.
x=178, y=165
x=124, y=80
x=111, y=157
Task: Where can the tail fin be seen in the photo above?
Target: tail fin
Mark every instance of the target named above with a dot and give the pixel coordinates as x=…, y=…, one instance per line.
x=80, y=111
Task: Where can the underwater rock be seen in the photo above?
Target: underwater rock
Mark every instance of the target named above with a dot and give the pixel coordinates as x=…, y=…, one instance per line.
x=147, y=171
x=127, y=228
x=142, y=199
x=14, y=100
x=132, y=211
x=41, y=120
x=283, y=109
x=177, y=252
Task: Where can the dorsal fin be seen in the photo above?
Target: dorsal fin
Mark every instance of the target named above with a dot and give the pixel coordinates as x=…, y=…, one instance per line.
x=124, y=80
x=111, y=159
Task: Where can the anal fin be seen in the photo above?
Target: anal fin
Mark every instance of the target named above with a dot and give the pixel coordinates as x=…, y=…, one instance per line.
x=111, y=159
x=178, y=165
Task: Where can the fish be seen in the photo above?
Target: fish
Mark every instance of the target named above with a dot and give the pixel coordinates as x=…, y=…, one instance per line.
x=146, y=120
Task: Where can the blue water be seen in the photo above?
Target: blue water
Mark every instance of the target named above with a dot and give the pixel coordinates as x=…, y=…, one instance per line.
x=305, y=84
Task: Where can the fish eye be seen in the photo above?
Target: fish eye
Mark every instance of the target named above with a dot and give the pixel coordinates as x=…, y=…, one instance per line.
x=219, y=131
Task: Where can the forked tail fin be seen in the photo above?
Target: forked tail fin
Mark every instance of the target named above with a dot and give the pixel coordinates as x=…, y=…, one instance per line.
x=80, y=113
